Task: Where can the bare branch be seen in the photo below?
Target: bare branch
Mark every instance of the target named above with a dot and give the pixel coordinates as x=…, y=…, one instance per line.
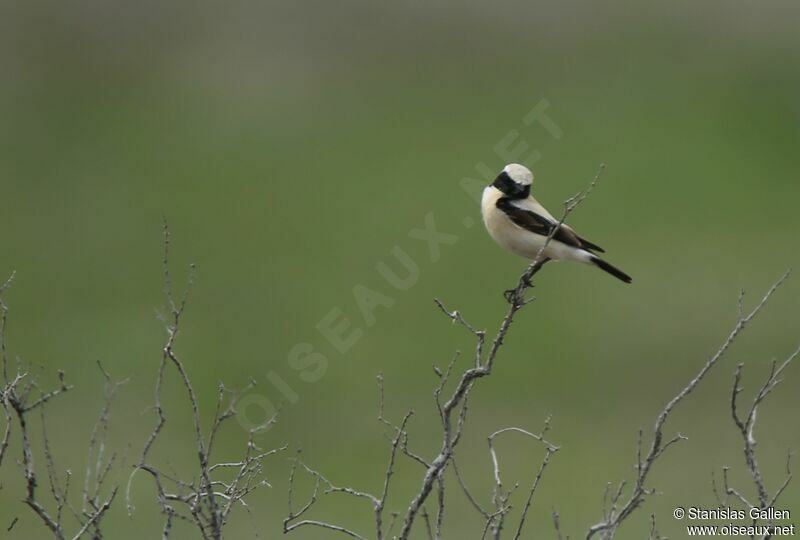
x=3, y=321
x=746, y=427
x=206, y=502
x=291, y=522
x=19, y=399
x=557, y=526
x=654, y=535
x=501, y=496
x=470, y=497
x=608, y=526
x=480, y=335
x=6, y=388
x=399, y=442
x=550, y=451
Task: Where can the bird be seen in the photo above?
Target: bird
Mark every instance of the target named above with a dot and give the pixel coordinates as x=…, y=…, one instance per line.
x=518, y=223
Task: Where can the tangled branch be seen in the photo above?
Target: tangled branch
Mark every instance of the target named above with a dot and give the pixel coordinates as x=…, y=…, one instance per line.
x=207, y=501
x=22, y=396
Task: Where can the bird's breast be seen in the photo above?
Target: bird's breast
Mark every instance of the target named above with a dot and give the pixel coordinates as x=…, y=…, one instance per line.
x=504, y=231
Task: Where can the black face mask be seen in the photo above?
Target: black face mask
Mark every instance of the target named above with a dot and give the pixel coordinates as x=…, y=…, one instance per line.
x=511, y=189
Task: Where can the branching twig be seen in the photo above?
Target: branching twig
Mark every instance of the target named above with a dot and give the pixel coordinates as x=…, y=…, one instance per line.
x=4, y=390
x=205, y=502
x=746, y=427
x=502, y=496
x=399, y=442
x=19, y=398
x=659, y=445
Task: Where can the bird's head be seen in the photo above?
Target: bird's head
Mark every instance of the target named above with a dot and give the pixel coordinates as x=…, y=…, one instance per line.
x=514, y=181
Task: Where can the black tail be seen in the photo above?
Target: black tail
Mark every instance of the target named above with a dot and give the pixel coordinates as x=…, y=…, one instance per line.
x=613, y=270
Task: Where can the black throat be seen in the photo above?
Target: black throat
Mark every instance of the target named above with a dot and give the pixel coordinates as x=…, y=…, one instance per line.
x=511, y=189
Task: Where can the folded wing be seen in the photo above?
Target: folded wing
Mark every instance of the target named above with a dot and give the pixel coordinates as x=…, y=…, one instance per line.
x=543, y=225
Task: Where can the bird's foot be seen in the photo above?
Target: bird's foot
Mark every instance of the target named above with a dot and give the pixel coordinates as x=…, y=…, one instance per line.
x=510, y=295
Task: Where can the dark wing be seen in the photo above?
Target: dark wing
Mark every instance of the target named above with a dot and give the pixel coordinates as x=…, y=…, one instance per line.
x=533, y=222
x=589, y=246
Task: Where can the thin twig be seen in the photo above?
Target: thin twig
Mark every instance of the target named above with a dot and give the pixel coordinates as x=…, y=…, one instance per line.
x=608, y=526
x=746, y=428
x=205, y=501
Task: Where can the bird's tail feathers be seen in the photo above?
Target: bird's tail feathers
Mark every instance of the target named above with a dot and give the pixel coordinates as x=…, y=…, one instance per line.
x=611, y=269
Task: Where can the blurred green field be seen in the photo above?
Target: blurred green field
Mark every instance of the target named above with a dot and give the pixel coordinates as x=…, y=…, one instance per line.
x=292, y=146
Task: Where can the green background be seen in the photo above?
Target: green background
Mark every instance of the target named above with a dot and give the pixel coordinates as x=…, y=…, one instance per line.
x=293, y=145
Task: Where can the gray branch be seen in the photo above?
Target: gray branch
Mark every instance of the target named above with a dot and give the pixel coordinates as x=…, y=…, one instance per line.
x=607, y=528
x=746, y=427
x=205, y=502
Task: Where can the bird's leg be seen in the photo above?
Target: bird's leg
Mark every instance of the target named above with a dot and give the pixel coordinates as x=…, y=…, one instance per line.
x=525, y=282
